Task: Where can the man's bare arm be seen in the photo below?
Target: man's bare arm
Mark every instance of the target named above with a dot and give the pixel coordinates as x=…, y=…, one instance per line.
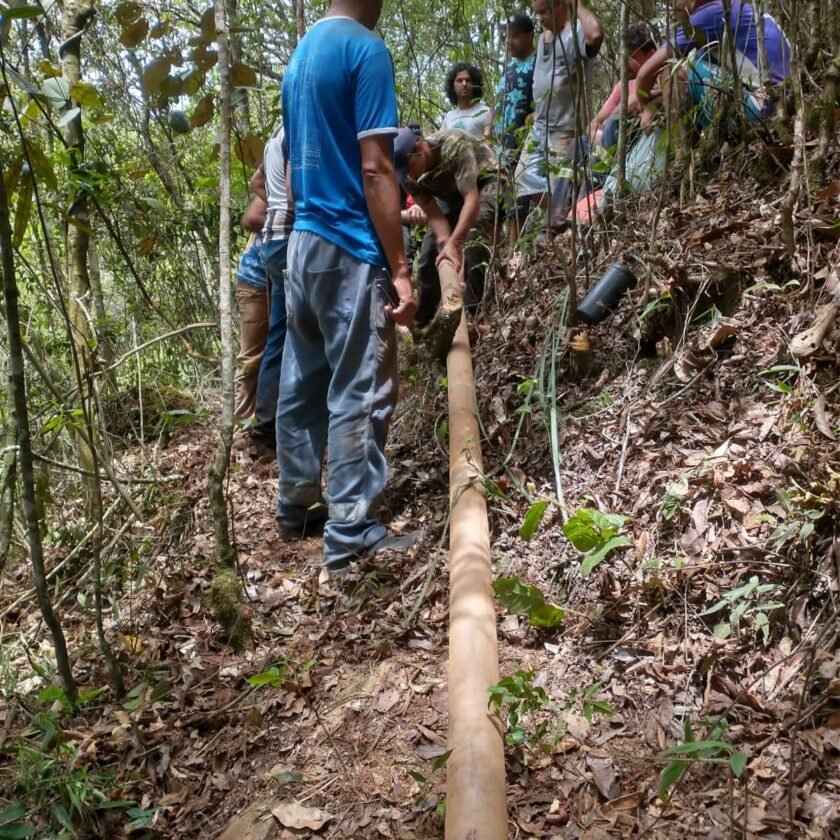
x=647, y=75
x=382, y=195
x=253, y=218
x=593, y=32
x=258, y=184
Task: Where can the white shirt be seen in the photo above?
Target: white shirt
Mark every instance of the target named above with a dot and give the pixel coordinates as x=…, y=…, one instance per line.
x=472, y=120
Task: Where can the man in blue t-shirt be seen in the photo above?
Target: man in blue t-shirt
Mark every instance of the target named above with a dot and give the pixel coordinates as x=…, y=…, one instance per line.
x=706, y=31
x=348, y=283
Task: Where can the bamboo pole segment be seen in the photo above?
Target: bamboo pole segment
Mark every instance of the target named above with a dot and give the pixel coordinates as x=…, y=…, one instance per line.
x=475, y=771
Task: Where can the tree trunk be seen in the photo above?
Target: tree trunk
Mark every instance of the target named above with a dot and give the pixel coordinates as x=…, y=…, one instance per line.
x=225, y=592
x=218, y=470
x=625, y=93
x=77, y=13
x=17, y=382
x=299, y=19
x=797, y=167
x=8, y=476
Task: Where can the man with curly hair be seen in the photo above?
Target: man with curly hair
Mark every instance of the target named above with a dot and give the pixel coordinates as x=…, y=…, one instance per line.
x=465, y=90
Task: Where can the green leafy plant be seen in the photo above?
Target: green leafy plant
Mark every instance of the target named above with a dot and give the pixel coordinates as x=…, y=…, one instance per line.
x=595, y=534
x=532, y=520
x=711, y=749
x=517, y=701
x=745, y=602
x=590, y=704
x=12, y=826
x=55, y=781
x=522, y=599
x=784, y=376
x=513, y=699
x=425, y=779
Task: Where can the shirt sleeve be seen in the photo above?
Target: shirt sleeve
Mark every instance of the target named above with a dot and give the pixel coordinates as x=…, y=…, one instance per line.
x=613, y=100
x=376, y=96
x=706, y=26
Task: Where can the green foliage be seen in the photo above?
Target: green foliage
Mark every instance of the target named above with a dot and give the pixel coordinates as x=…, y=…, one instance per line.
x=55, y=781
x=273, y=676
x=532, y=520
x=517, y=701
x=512, y=699
x=595, y=534
x=746, y=602
x=712, y=749
x=522, y=599
x=590, y=705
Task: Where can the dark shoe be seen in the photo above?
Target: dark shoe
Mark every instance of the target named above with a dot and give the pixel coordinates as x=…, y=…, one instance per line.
x=265, y=447
x=311, y=526
x=390, y=542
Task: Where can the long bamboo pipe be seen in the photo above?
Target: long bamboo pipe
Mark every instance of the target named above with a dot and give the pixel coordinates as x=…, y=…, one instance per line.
x=475, y=772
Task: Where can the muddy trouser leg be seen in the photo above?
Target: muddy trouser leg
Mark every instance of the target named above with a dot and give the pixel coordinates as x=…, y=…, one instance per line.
x=477, y=253
x=253, y=325
x=428, y=283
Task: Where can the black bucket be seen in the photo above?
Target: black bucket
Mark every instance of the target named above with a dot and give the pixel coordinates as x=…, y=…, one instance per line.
x=606, y=294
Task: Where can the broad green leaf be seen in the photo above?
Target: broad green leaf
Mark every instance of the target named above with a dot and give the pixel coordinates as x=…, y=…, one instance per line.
x=16, y=831
x=68, y=116
x=41, y=165
x=160, y=691
x=23, y=210
x=698, y=746
x=715, y=607
x=15, y=811
x=580, y=531
x=272, y=676
x=49, y=69
x=203, y=112
x=86, y=95
x=441, y=760
x=670, y=776
x=250, y=150
x=172, y=87
x=128, y=12
x=57, y=92
x=134, y=34
x=21, y=12
x=241, y=75
x=61, y=816
x=737, y=762
x=591, y=560
x=522, y=599
x=203, y=58
x=532, y=520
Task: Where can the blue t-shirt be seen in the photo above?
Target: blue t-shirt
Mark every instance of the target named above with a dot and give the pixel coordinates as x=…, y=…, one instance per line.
x=706, y=34
x=514, y=101
x=338, y=89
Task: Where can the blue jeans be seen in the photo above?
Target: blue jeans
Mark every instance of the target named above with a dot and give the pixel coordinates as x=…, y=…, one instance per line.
x=268, y=383
x=339, y=391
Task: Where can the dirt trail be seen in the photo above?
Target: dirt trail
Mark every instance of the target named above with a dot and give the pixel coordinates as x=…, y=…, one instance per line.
x=706, y=433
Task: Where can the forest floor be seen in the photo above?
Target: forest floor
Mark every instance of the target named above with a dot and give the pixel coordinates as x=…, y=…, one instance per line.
x=689, y=415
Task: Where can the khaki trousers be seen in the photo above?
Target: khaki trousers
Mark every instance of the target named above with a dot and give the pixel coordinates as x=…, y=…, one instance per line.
x=253, y=328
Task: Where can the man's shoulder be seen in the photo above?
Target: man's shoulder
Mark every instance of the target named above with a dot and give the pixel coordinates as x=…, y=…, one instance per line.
x=350, y=30
x=708, y=13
